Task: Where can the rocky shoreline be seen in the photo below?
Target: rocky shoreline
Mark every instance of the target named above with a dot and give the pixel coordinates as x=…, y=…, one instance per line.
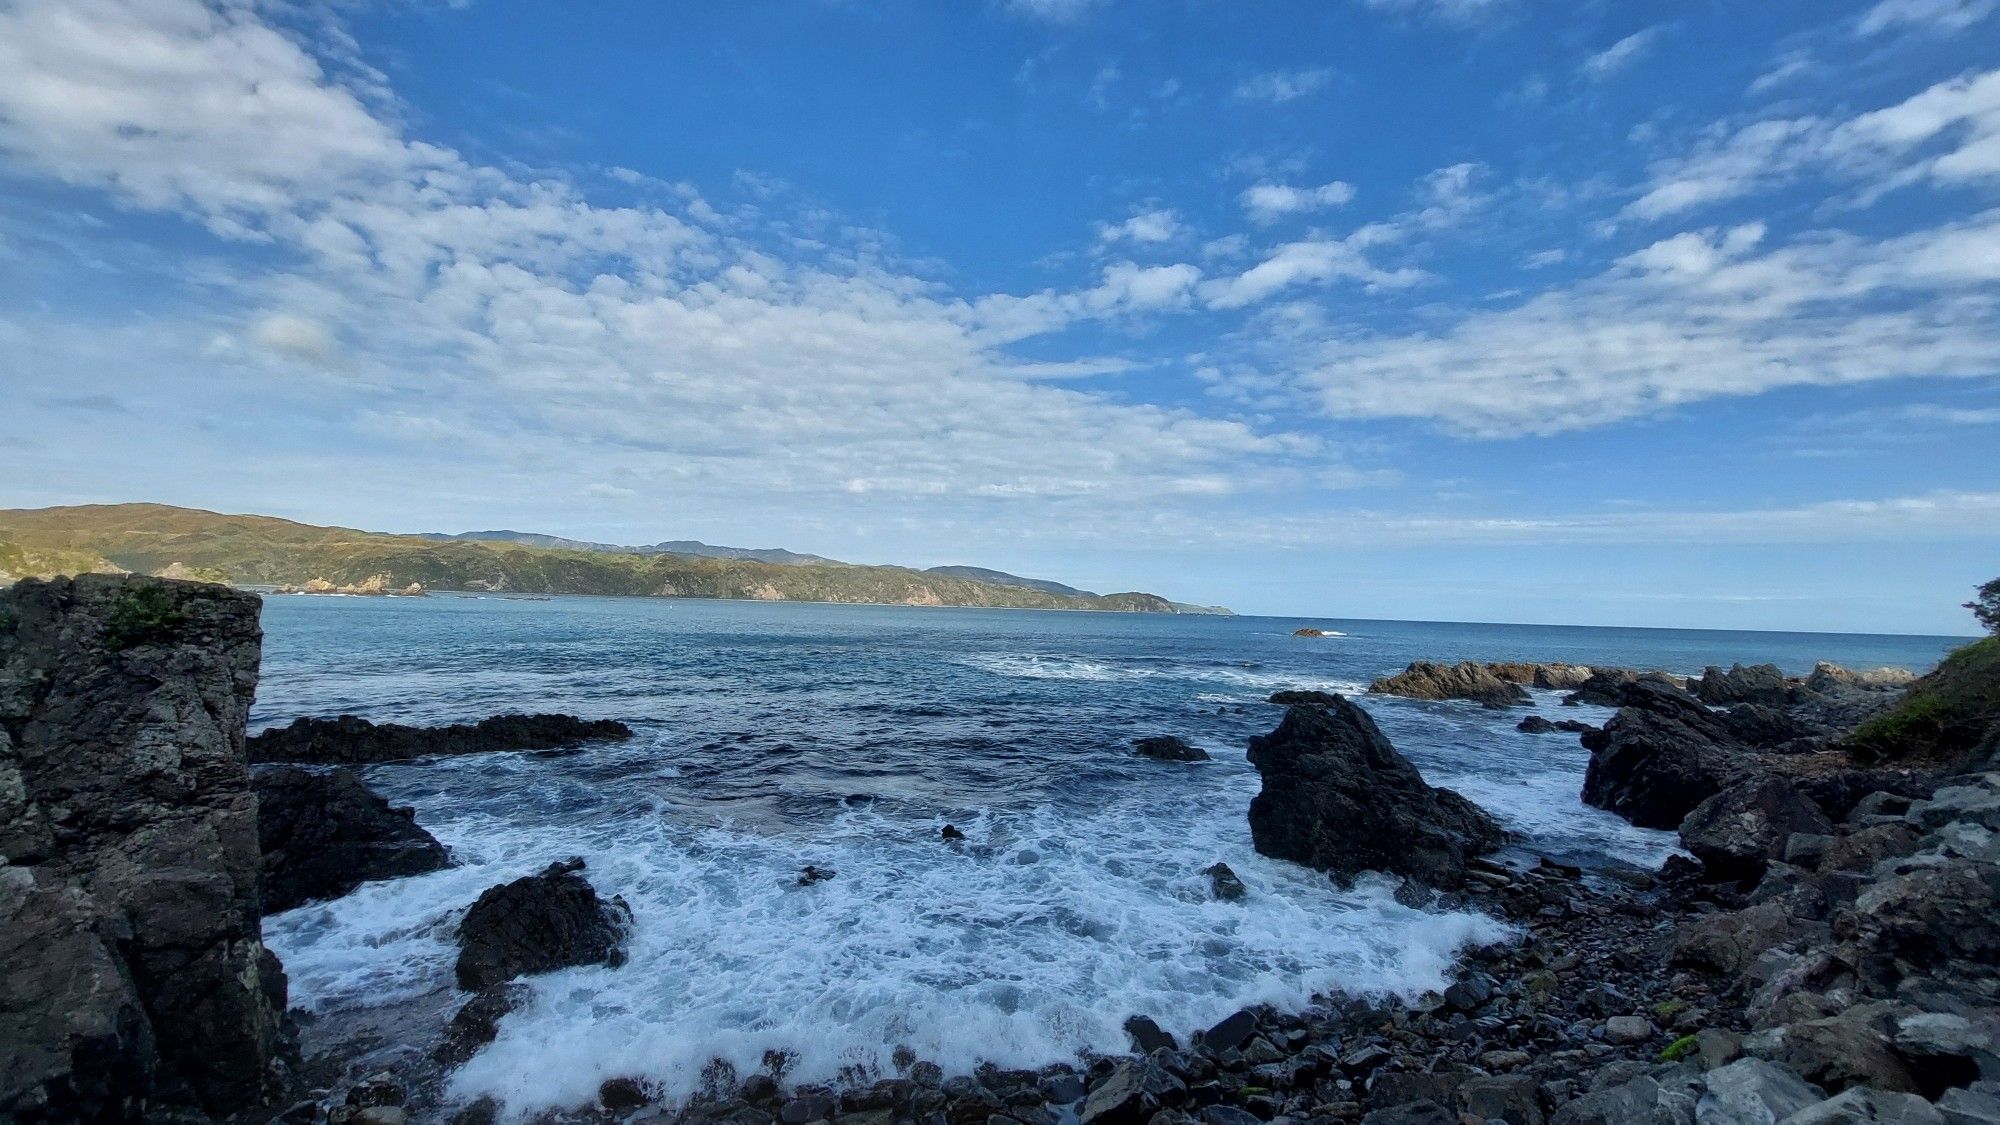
x=1828, y=955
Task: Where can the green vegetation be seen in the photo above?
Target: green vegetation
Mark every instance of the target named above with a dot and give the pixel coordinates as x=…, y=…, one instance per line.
x=1985, y=605
x=1678, y=1049
x=1944, y=714
x=143, y=616
x=18, y=561
x=153, y=538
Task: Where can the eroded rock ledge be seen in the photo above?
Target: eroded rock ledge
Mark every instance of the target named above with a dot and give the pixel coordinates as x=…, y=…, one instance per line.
x=351, y=741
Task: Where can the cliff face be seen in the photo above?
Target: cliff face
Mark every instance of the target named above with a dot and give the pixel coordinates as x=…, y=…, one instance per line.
x=132, y=975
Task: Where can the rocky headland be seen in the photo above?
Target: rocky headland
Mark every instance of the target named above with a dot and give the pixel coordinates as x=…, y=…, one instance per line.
x=1824, y=953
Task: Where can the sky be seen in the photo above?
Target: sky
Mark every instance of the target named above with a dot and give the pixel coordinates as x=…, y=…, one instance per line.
x=1635, y=313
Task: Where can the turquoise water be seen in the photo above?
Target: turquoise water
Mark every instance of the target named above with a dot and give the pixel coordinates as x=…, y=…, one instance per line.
x=772, y=736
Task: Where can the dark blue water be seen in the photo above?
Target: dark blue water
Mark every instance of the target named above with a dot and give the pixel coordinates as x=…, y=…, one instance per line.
x=772, y=736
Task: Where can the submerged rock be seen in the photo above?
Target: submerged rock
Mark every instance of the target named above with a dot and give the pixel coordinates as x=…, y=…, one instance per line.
x=133, y=977
x=537, y=924
x=1223, y=881
x=349, y=740
x=1168, y=748
x=1425, y=679
x=1338, y=797
x=324, y=834
x=1536, y=724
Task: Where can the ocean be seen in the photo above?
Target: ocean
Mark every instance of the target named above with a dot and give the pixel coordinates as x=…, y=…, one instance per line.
x=771, y=736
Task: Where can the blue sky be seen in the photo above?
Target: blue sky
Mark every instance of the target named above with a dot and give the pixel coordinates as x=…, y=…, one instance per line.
x=1635, y=313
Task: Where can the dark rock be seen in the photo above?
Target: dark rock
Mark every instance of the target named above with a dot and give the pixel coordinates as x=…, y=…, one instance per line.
x=951, y=833
x=1535, y=724
x=1425, y=679
x=1062, y=1089
x=381, y=1088
x=1839, y=791
x=1737, y=831
x=811, y=874
x=1224, y=882
x=132, y=972
x=1619, y=687
x=1755, y=1090
x=621, y=1093
x=324, y=834
x=537, y=924
x=1338, y=797
x=1662, y=754
x=1763, y=684
x=1167, y=748
x=1513, y=1099
x=1936, y=920
x=1728, y=942
x=1863, y=1106
x=348, y=740
x=1288, y=698
x=1227, y=1115
x=1853, y=1047
x=1148, y=1036
x=1133, y=1091
x=1232, y=1032
x=1645, y=1100
x=1412, y=1113
x=477, y=1023
x=1768, y=728
x=807, y=1107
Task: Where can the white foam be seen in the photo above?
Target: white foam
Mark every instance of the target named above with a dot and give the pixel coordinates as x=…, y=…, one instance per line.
x=1036, y=666
x=1030, y=942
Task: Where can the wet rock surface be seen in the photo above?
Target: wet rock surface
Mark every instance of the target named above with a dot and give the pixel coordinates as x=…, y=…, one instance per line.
x=537, y=924
x=1425, y=679
x=1168, y=748
x=349, y=740
x=1338, y=797
x=132, y=977
x=324, y=834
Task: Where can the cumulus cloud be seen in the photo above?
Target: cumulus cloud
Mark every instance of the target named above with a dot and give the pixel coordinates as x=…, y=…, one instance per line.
x=1281, y=86
x=1160, y=224
x=1268, y=202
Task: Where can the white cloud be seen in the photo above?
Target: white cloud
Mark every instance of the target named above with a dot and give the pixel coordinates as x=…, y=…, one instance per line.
x=1456, y=12
x=1053, y=11
x=1268, y=202
x=1884, y=149
x=1542, y=259
x=1621, y=54
x=1150, y=227
x=294, y=337
x=1281, y=86
x=1940, y=16
x=1686, y=319
x=514, y=321
x=1296, y=263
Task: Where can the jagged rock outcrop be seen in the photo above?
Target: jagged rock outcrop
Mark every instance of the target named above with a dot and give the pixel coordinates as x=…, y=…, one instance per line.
x=1763, y=684
x=324, y=834
x=1425, y=679
x=1662, y=754
x=1737, y=832
x=538, y=924
x=1338, y=797
x=1614, y=687
x=351, y=741
x=1536, y=724
x=132, y=974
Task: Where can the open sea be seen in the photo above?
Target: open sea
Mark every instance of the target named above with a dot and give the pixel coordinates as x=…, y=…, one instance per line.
x=776, y=735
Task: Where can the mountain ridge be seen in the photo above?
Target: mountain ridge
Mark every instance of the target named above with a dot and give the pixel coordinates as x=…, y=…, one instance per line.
x=271, y=550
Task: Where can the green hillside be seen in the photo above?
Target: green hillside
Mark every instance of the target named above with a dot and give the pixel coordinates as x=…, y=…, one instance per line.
x=262, y=550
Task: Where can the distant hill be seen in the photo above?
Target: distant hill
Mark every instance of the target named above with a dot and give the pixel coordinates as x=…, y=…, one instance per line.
x=1002, y=578
x=263, y=550
x=693, y=548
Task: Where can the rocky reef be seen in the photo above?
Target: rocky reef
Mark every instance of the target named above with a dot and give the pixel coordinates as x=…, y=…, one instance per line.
x=348, y=740
x=1338, y=797
x=133, y=981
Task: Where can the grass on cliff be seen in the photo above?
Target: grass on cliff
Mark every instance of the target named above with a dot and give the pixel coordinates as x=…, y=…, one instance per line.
x=1944, y=715
x=144, y=615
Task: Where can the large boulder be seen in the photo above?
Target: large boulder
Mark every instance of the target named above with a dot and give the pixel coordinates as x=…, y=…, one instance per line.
x=1738, y=831
x=1614, y=687
x=351, y=741
x=1168, y=748
x=324, y=834
x=538, y=924
x=1935, y=919
x=1762, y=684
x=1662, y=754
x=132, y=970
x=1425, y=679
x=1338, y=797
